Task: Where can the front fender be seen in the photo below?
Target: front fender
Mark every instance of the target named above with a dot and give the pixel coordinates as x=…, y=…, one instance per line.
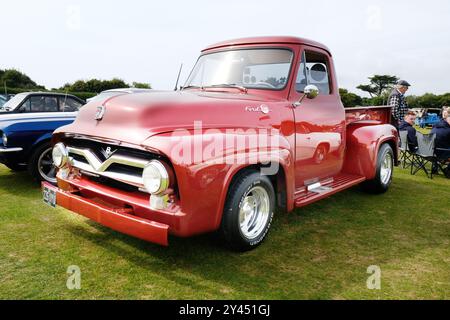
x=363, y=144
x=203, y=179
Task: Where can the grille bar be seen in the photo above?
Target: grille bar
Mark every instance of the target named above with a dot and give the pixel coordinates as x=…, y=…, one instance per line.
x=94, y=165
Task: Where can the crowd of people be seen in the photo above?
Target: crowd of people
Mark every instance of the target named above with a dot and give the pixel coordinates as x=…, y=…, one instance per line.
x=404, y=119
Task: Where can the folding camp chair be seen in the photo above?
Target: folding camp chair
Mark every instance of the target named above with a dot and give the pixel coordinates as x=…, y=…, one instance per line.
x=424, y=155
x=406, y=156
x=443, y=163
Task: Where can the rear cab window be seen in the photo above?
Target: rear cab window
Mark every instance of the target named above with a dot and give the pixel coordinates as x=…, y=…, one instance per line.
x=314, y=70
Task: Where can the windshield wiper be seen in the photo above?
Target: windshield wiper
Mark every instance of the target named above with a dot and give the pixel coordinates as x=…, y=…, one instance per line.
x=228, y=85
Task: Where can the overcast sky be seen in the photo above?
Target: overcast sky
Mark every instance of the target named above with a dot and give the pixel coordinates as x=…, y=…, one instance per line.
x=56, y=42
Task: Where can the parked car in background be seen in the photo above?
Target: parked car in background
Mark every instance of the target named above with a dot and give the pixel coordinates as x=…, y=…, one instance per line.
x=36, y=102
x=26, y=129
x=116, y=92
x=2, y=101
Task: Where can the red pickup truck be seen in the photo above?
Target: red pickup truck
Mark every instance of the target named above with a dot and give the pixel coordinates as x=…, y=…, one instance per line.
x=259, y=125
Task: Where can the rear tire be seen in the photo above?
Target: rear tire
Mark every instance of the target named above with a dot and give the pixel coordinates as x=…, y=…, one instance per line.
x=248, y=211
x=41, y=166
x=384, y=171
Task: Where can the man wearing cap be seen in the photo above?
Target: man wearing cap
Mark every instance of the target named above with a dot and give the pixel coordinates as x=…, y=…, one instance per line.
x=398, y=103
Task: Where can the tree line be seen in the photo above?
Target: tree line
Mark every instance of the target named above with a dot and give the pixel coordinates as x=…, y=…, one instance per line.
x=378, y=89
x=14, y=81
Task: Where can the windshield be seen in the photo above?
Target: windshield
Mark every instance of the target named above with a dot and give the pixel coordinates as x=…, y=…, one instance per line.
x=14, y=102
x=253, y=69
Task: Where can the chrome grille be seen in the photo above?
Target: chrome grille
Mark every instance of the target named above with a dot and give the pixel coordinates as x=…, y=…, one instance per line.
x=119, y=166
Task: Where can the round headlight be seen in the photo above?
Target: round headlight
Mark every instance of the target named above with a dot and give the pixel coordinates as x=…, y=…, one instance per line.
x=60, y=155
x=155, y=177
x=5, y=139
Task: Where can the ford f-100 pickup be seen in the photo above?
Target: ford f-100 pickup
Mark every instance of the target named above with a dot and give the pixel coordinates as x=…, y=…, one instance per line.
x=258, y=125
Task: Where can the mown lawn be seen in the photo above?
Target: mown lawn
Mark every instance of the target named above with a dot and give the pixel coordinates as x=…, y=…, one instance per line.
x=318, y=252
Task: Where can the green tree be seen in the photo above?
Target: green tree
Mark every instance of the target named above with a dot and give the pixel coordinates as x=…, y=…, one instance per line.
x=94, y=85
x=350, y=99
x=379, y=84
x=141, y=85
x=16, y=79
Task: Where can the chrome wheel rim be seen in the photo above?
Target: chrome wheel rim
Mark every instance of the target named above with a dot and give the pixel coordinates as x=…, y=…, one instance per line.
x=45, y=166
x=254, y=212
x=386, y=169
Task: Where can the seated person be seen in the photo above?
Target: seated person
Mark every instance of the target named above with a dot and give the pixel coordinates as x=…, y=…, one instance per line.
x=407, y=125
x=442, y=131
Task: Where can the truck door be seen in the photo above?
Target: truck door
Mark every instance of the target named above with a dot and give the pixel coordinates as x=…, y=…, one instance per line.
x=319, y=122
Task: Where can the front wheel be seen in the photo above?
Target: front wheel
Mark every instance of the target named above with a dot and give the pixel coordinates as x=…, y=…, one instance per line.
x=248, y=212
x=384, y=171
x=41, y=165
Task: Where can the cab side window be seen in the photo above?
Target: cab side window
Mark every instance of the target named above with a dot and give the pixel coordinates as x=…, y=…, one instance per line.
x=313, y=70
x=69, y=104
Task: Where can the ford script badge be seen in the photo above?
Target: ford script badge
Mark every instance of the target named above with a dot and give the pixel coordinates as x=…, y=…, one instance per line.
x=100, y=113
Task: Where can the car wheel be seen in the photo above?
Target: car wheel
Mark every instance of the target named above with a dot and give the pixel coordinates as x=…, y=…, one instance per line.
x=41, y=165
x=248, y=211
x=385, y=169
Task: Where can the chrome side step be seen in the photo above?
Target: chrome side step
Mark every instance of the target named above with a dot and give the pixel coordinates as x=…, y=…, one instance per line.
x=325, y=188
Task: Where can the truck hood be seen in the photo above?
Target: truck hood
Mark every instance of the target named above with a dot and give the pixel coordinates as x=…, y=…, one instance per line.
x=133, y=118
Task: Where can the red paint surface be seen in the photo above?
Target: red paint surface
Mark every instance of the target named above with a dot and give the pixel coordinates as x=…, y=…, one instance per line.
x=147, y=120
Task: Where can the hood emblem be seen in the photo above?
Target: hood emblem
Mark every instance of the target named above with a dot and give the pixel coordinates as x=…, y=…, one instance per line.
x=262, y=108
x=108, y=152
x=100, y=113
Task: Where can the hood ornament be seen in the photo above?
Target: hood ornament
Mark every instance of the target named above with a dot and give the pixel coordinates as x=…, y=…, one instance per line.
x=100, y=113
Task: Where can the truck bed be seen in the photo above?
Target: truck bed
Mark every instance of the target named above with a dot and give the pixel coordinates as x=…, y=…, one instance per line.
x=373, y=114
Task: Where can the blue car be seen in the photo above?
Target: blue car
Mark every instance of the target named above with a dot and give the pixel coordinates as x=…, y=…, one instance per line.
x=26, y=129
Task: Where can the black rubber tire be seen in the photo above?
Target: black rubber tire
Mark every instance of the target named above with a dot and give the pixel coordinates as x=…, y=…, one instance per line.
x=33, y=163
x=376, y=186
x=229, y=228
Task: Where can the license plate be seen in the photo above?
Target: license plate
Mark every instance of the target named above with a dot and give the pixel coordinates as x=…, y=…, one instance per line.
x=49, y=196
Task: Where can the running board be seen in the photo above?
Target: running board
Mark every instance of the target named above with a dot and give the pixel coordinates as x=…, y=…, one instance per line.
x=326, y=188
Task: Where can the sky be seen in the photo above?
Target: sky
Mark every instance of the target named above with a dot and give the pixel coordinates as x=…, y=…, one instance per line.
x=56, y=42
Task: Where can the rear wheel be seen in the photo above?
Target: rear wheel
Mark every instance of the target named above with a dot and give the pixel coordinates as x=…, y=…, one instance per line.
x=248, y=212
x=384, y=171
x=41, y=165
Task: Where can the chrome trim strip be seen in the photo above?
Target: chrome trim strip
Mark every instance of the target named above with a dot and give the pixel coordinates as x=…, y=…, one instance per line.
x=100, y=168
x=6, y=150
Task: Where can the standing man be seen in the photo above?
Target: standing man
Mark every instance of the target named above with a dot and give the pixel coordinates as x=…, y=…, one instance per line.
x=397, y=102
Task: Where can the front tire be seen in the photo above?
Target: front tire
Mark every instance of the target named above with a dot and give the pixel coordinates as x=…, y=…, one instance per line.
x=248, y=211
x=384, y=171
x=41, y=166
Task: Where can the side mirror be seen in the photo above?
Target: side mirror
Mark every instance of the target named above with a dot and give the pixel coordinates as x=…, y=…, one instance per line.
x=311, y=92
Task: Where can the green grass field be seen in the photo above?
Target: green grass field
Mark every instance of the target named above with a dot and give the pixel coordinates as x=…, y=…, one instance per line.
x=318, y=252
